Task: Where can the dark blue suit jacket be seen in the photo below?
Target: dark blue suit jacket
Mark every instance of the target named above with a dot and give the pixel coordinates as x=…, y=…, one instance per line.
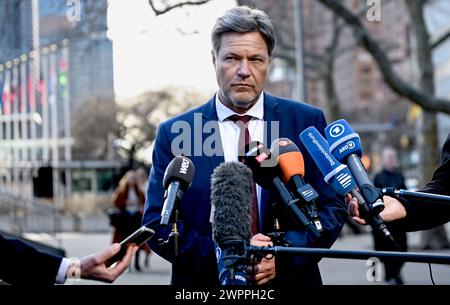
x=23, y=264
x=198, y=266
x=423, y=214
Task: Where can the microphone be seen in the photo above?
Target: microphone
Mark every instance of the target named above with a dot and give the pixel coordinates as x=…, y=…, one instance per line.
x=231, y=198
x=345, y=145
x=339, y=177
x=292, y=168
x=420, y=196
x=266, y=173
x=177, y=179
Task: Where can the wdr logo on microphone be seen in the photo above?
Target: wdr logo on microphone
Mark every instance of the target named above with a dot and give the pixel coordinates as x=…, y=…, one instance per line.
x=337, y=130
x=184, y=166
x=344, y=179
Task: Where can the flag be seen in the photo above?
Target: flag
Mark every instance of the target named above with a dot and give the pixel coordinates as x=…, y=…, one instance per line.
x=14, y=84
x=31, y=93
x=42, y=89
x=23, y=97
x=6, y=93
x=52, y=95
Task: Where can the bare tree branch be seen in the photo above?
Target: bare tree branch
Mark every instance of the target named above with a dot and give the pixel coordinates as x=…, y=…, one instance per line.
x=171, y=7
x=328, y=75
x=440, y=40
x=363, y=38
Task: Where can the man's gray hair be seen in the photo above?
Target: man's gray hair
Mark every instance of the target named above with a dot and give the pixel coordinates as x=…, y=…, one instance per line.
x=243, y=19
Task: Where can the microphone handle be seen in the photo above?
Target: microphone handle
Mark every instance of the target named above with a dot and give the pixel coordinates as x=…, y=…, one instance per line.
x=435, y=198
x=291, y=203
x=306, y=195
x=363, y=207
x=374, y=220
x=173, y=195
x=370, y=193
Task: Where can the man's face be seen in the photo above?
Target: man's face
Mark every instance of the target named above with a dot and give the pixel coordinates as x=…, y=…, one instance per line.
x=242, y=65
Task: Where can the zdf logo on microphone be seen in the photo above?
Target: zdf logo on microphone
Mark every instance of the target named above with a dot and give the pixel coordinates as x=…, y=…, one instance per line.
x=337, y=130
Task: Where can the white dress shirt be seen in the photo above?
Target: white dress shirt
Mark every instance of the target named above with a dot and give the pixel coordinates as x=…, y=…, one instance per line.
x=229, y=133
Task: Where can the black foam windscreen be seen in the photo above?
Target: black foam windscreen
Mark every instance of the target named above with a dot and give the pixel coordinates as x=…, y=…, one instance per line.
x=263, y=165
x=231, y=196
x=180, y=169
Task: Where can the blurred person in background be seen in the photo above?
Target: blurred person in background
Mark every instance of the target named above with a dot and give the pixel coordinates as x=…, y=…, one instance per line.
x=129, y=200
x=390, y=176
x=142, y=181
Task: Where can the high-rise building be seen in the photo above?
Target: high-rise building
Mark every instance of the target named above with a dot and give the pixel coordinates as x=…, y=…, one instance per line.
x=15, y=36
x=54, y=56
x=90, y=51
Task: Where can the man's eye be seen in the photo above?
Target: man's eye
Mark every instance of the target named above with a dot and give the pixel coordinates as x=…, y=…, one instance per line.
x=257, y=60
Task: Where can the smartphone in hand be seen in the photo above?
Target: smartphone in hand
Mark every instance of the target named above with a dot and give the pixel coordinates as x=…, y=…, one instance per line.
x=138, y=238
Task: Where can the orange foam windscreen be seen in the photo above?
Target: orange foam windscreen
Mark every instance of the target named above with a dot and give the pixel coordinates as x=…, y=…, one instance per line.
x=291, y=163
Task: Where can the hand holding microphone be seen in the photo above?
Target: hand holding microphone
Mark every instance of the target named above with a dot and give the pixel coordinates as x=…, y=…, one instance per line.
x=393, y=210
x=339, y=177
x=345, y=146
x=264, y=271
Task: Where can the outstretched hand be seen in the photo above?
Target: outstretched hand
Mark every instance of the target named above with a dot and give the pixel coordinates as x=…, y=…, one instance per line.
x=93, y=266
x=393, y=209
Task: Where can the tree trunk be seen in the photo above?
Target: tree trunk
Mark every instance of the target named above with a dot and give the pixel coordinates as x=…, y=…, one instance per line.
x=427, y=140
x=334, y=109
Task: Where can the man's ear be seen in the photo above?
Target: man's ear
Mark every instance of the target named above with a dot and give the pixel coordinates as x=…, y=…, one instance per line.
x=213, y=57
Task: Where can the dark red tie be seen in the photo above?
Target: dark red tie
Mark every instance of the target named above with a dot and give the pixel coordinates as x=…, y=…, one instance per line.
x=244, y=139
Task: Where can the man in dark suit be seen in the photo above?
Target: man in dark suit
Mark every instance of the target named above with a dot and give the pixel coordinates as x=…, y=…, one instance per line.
x=22, y=264
x=415, y=215
x=390, y=176
x=243, y=41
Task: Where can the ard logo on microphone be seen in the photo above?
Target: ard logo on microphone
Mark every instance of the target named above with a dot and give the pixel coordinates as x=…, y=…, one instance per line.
x=337, y=130
x=184, y=166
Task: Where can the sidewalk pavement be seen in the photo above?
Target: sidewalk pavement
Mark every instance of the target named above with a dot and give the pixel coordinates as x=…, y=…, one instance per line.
x=334, y=271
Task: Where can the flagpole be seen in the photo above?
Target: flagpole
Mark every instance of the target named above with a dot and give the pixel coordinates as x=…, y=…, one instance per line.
x=66, y=101
x=24, y=122
x=53, y=104
x=35, y=54
x=16, y=119
x=67, y=133
x=8, y=121
x=44, y=104
x=32, y=102
x=23, y=103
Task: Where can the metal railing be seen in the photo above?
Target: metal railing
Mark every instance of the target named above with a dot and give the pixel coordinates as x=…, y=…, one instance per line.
x=19, y=214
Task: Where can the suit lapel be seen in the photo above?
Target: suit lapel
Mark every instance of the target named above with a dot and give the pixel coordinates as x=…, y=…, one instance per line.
x=271, y=115
x=209, y=115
